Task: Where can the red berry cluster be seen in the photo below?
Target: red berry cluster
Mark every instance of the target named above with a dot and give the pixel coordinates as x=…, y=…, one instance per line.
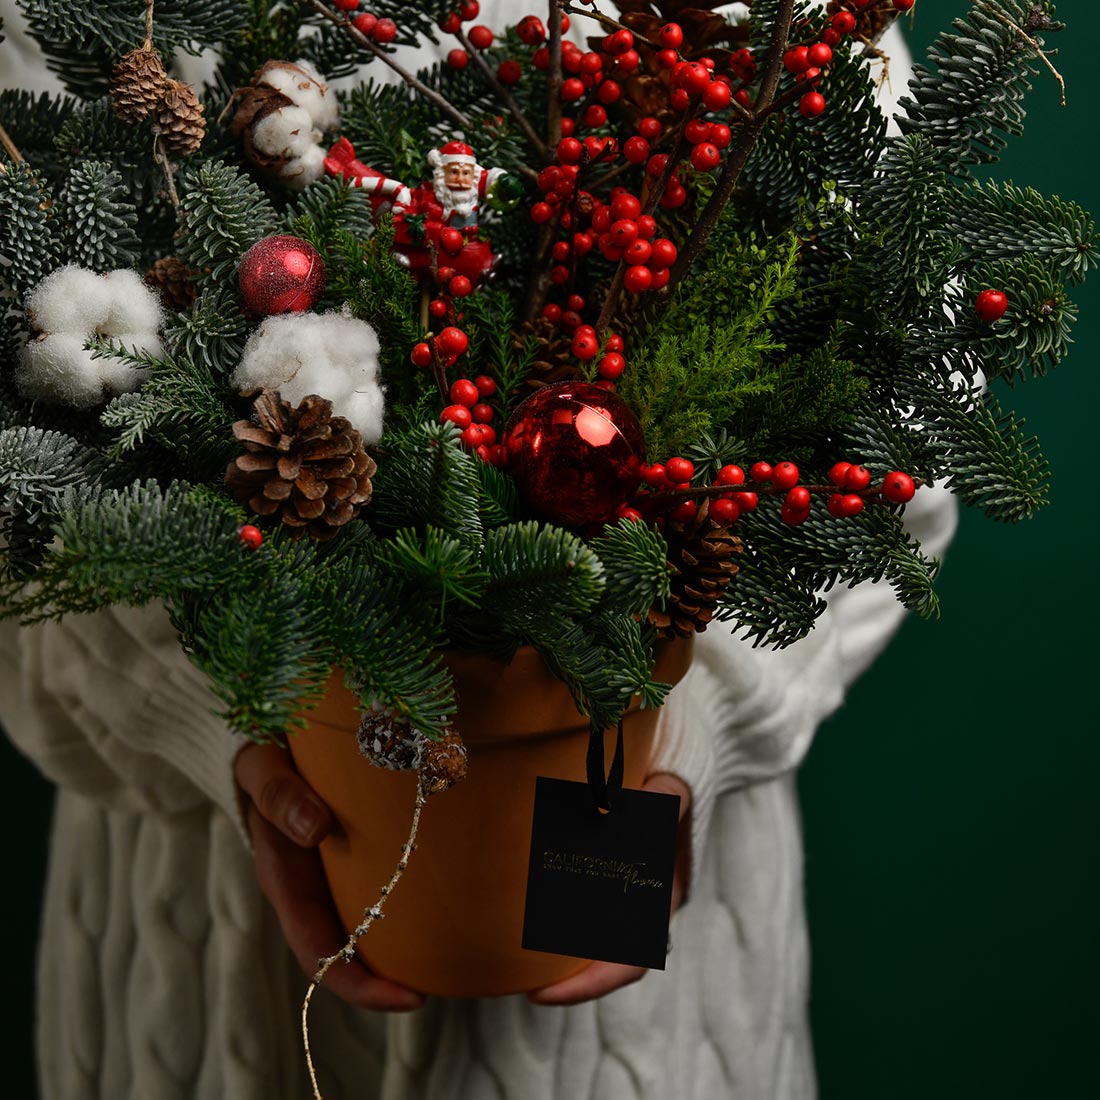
x=471, y=412
x=367, y=23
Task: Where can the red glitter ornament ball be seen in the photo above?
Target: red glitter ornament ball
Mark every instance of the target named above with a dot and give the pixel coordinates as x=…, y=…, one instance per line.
x=575, y=452
x=281, y=275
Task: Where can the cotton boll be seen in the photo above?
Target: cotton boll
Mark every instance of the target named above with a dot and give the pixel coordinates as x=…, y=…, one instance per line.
x=72, y=299
x=133, y=306
x=117, y=375
x=58, y=368
x=299, y=172
x=306, y=89
x=286, y=132
x=333, y=355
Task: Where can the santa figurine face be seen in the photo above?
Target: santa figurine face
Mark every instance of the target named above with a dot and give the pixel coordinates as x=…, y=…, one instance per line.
x=458, y=175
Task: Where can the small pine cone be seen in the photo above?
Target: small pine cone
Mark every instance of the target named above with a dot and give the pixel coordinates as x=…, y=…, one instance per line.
x=701, y=556
x=444, y=762
x=553, y=360
x=303, y=463
x=179, y=118
x=174, y=281
x=390, y=742
x=138, y=84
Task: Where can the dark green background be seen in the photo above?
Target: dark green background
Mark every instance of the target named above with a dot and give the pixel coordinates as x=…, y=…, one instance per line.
x=949, y=807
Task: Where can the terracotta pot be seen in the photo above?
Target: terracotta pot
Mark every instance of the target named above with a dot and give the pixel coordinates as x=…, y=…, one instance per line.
x=453, y=925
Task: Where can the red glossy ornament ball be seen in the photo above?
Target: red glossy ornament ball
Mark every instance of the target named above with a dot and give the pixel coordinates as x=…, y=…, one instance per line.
x=281, y=275
x=990, y=305
x=575, y=452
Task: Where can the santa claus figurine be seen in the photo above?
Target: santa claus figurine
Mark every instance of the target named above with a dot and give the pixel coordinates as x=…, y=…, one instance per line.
x=449, y=200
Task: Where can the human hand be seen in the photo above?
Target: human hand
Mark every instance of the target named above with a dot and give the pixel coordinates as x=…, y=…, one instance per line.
x=286, y=821
x=601, y=978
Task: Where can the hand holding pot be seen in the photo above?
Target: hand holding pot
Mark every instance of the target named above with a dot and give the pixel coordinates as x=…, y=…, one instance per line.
x=286, y=821
x=602, y=978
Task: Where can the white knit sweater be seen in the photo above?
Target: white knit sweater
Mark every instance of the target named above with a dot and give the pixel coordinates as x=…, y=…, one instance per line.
x=162, y=970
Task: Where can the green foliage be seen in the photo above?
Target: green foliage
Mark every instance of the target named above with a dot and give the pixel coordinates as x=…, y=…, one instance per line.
x=99, y=221
x=969, y=99
x=29, y=248
x=634, y=557
x=223, y=214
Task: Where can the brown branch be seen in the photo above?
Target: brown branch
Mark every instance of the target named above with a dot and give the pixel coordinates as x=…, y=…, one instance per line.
x=505, y=96
x=357, y=36
x=9, y=146
x=148, y=43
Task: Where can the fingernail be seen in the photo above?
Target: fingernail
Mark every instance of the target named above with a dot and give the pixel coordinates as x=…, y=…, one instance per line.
x=303, y=819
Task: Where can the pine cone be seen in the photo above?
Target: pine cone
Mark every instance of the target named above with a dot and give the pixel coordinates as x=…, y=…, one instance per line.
x=179, y=117
x=444, y=762
x=701, y=555
x=138, y=84
x=553, y=360
x=390, y=742
x=174, y=281
x=303, y=463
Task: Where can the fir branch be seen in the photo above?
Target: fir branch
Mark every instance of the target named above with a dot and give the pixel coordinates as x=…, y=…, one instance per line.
x=29, y=248
x=99, y=222
x=634, y=557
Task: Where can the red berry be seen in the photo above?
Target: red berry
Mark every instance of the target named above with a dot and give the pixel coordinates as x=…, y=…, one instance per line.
x=626, y=205
x=251, y=536
x=624, y=511
x=730, y=475
x=898, y=487
x=611, y=365
x=835, y=505
x=572, y=89
x=459, y=286
x=851, y=504
x=636, y=149
x=364, y=22
x=798, y=498
x=649, y=127
x=794, y=516
x=760, y=471
x=509, y=73
x=638, y=279
x=664, y=253
x=482, y=413
x=654, y=476
x=481, y=38
x=594, y=116
x=857, y=478
x=346, y=5
x=691, y=76
x=451, y=240
x=796, y=59
x=458, y=415
x=469, y=9
x=844, y=22
x=990, y=305
x=638, y=252
x=717, y=95
x=784, y=475
x=723, y=511
x=705, y=157
x=541, y=212
x=679, y=470
x=575, y=302
x=904, y=5
x=697, y=130
x=585, y=345
x=667, y=58
x=819, y=54
x=486, y=386
x=671, y=36
x=473, y=437
x=385, y=30
x=811, y=105
x=452, y=341
x=458, y=59
x=745, y=501
x=614, y=342
x=437, y=308
x=839, y=472
x=464, y=392
x=623, y=233
x=720, y=135
x=684, y=512
x=421, y=355
x=531, y=30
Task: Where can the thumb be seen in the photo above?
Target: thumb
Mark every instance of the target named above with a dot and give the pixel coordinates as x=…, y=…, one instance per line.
x=266, y=775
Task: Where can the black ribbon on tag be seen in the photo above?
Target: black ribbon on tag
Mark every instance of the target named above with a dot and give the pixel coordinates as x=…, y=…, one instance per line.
x=605, y=789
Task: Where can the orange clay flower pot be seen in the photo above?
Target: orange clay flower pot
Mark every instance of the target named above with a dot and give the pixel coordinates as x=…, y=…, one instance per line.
x=454, y=923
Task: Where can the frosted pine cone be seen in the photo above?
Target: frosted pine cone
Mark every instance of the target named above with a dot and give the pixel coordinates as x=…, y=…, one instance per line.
x=444, y=763
x=390, y=742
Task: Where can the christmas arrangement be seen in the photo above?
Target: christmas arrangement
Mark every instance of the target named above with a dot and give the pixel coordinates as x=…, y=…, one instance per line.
x=611, y=326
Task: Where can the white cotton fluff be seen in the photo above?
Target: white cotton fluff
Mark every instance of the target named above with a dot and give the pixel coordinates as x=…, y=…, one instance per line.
x=286, y=132
x=332, y=354
x=300, y=172
x=69, y=308
x=311, y=95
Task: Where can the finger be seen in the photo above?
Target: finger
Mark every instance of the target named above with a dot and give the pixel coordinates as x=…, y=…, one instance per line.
x=594, y=981
x=267, y=775
x=293, y=881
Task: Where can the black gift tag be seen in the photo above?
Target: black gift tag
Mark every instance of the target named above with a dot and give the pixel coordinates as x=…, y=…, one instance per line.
x=600, y=884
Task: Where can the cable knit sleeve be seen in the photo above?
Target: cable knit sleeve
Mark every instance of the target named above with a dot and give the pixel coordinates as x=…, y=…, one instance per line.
x=109, y=706
x=744, y=715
